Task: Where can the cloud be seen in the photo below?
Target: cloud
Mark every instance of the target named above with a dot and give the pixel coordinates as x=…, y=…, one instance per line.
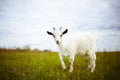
x=26, y=21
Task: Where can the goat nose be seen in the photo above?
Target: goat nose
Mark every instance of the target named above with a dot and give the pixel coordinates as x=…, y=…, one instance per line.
x=57, y=42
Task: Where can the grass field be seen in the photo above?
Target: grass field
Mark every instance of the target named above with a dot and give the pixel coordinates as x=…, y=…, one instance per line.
x=26, y=65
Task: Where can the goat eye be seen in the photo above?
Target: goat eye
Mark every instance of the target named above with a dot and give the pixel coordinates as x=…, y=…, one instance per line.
x=60, y=35
x=54, y=36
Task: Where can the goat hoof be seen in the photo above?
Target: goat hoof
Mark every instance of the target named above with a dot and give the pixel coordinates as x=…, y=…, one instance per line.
x=70, y=71
x=92, y=70
x=64, y=68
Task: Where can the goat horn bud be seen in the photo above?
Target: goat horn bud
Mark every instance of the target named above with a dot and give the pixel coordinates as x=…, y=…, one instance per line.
x=60, y=28
x=53, y=28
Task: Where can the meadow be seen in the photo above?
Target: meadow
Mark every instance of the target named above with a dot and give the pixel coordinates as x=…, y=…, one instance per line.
x=45, y=65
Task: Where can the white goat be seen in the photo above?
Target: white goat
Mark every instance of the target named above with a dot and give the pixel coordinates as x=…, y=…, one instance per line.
x=82, y=43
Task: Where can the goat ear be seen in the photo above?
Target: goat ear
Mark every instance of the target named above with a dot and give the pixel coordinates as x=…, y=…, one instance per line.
x=49, y=33
x=65, y=31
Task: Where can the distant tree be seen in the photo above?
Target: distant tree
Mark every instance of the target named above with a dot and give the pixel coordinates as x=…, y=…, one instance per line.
x=47, y=50
x=26, y=48
x=36, y=50
x=18, y=49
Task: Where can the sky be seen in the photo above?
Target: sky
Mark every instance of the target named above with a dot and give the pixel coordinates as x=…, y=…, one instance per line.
x=25, y=22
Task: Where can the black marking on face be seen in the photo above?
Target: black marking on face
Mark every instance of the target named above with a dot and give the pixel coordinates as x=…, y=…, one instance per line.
x=50, y=33
x=65, y=31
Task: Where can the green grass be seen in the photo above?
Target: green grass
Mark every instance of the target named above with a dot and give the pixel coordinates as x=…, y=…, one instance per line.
x=15, y=65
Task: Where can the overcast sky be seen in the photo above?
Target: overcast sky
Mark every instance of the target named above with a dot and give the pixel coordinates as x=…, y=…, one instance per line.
x=25, y=22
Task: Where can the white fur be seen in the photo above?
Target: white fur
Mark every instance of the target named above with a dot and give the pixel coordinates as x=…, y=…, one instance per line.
x=81, y=43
